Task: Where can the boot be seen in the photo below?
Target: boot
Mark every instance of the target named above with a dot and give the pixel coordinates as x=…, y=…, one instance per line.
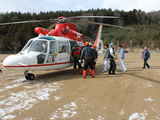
x=90, y=72
x=93, y=73
x=80, y=71
x=84, y=73
x=74, y=70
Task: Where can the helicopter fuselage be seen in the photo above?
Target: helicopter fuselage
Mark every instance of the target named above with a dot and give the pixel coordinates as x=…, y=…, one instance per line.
x=43, y=53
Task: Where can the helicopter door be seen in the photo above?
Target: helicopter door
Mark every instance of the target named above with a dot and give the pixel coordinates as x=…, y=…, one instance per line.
x=52, y=52
x=63, y=52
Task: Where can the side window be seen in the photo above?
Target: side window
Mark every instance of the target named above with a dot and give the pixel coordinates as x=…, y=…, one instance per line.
x=73, y=45
x=63, y=46
x=53, y=47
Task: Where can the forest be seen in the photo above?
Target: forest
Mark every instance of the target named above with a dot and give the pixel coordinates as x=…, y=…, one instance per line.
x=146, y=25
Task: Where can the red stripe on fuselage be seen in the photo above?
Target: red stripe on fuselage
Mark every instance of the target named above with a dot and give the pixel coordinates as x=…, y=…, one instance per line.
x=39, y=65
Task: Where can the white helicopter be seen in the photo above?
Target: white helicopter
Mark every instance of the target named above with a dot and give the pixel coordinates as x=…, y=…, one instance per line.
x=51, y=50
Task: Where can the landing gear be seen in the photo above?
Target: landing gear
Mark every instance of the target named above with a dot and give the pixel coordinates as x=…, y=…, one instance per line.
x=29, y=76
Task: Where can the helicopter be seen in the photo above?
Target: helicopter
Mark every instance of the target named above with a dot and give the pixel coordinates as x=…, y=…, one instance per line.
x=52, y=49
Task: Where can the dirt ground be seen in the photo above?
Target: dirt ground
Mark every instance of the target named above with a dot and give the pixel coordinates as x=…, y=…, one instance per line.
x=62, y=95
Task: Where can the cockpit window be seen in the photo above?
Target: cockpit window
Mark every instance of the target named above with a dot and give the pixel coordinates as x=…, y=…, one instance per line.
x=27, y=45
x=39, y=46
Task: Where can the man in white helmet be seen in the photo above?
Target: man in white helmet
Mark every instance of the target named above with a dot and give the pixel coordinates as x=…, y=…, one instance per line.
x=112, y=57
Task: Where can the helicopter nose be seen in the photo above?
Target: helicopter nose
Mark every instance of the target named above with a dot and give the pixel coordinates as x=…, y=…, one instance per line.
x=16, y=61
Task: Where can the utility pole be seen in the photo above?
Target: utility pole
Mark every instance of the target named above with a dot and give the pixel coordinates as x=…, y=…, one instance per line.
x=118, y=45
x=131, y=46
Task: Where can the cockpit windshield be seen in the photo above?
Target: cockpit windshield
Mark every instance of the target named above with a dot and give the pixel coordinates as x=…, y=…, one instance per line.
x=39, y=46
x=27, y=45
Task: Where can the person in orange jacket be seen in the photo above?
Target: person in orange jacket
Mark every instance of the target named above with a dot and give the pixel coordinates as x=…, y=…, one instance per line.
x=88, y=55
x=76, y=54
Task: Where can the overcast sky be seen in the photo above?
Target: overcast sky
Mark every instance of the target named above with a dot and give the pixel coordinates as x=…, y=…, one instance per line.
x=68, y=5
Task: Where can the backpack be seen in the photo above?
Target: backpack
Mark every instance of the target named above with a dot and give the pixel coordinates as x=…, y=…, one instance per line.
x=76, y=53
x=106, y=53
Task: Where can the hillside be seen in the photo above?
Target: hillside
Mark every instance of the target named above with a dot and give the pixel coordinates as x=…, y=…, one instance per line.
x=142, y=35
x=146, y=25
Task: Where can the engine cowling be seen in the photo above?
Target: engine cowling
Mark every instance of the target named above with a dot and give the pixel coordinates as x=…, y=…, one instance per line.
x=40, y=30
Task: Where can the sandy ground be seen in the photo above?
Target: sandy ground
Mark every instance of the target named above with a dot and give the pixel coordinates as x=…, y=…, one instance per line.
x=62, y=95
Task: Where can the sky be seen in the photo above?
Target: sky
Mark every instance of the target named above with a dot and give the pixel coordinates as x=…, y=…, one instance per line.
x=37, y=6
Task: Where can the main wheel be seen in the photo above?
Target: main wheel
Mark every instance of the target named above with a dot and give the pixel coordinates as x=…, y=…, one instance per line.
x=27, y=78
x=31, y=76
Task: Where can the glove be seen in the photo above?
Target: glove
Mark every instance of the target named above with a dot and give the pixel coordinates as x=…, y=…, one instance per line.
x=95, y=60
x=80, y=61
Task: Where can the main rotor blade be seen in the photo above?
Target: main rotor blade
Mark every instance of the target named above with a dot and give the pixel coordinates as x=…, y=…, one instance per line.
x=31, y=21
x=96, y=23
x=51, y=26
x=92, y=17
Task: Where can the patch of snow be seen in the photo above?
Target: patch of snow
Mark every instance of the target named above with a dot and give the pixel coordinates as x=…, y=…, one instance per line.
x=67, y=111
x=122, y=112
x=105, y=108
x=13, y=86
x=1, y=96
x=149, y=99
x=138, y=116
x=158, y=118
x=1, y=90
x=25, y=100
x=57, y=97
x=100, y=118
x=8, y=117
x=19, y=80
x=147, y=85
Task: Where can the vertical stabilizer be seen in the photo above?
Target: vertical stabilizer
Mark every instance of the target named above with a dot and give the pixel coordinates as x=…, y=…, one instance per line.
x=99, y=42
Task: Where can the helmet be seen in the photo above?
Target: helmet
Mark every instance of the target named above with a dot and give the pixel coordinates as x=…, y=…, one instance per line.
x=86, y=43
x=95, y=46
x=111, y=44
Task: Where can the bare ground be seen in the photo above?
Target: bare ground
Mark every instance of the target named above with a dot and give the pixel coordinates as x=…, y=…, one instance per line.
x=62, y=95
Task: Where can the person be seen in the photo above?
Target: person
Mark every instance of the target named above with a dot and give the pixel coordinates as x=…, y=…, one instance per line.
x=94, y=61
x=121, y=59
x=88, y=55
x=76, y=53
x=106, y=60
x=0, y=70
x=96, y=55
x=111, y=58
x=145, y=56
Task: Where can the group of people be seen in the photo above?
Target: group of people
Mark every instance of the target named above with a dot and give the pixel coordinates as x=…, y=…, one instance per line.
x=109, y=55
x=90, y=56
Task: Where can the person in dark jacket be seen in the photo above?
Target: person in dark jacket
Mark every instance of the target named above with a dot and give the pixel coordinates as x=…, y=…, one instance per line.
x=145, y=56
x=112, y=57
x=96, y=55
x=94, y=60
x=88, y=55
x=76, y=53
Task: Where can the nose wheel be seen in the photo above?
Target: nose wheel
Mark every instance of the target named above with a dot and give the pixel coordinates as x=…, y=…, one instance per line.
x=29, y=76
